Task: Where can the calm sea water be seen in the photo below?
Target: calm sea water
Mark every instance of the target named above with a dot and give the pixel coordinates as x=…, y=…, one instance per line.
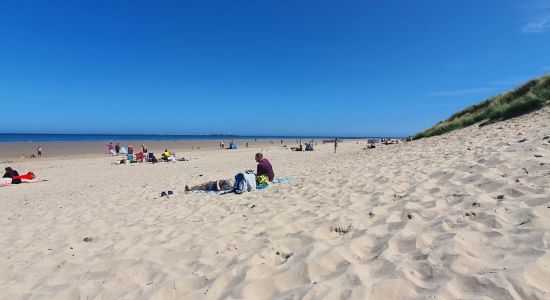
x=10, y=137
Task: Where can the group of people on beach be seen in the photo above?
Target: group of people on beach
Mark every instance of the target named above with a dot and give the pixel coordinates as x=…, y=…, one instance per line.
x=39, y=150
x=264, y=174
x=117, y=149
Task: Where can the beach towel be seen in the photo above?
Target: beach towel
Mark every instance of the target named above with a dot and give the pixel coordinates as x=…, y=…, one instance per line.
x=275, y=181
x=209, y=192
x=28, y=176
x=261, y=187
x=282, y=179
x=8, y=181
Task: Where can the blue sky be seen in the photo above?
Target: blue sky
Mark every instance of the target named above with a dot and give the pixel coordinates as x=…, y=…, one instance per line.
x=346, y=68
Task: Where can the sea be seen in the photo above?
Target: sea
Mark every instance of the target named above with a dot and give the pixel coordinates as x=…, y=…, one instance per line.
x=37, y=137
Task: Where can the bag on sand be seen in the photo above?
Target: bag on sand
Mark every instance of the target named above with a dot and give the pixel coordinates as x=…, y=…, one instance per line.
x=262, y=180
x=244, y=182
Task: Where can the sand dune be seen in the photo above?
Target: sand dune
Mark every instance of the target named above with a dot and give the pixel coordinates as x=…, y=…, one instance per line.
x=465, y=215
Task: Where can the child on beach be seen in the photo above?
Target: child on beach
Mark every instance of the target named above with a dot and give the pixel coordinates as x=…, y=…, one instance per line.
x=111, y=148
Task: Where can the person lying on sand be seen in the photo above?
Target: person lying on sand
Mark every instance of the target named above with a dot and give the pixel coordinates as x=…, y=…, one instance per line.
x=12, y=177
x=300, y=148
x=218, y=185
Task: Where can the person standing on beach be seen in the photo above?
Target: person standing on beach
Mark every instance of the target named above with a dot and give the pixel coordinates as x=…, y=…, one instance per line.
x=144, y=148
x=39, y=151
x=117, y=148
x=335, y=144
x=131, y=149
x=111, y=148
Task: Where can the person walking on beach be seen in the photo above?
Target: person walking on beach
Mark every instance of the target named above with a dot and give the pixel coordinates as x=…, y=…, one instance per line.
x=111, y=148
x=39, y=151
x=222, y=145
x=117, y=148
x=335, y=144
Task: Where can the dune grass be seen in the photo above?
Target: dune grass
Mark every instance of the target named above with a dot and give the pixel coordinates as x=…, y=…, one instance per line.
x=526, y=98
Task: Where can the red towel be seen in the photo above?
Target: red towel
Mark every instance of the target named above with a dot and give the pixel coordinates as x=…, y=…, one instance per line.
x=28, y=176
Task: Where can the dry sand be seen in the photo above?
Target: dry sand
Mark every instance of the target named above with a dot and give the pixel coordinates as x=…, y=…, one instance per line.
x=465, y=215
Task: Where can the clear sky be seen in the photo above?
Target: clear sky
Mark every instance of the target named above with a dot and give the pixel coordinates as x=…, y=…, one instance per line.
x=346, y=68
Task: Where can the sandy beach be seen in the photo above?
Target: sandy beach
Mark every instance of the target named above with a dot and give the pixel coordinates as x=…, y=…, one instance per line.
x=62, y=150
x=460, y=216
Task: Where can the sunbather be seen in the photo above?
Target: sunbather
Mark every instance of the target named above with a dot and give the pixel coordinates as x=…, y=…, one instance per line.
x=300, y=148
x=12, y=177
x=11, y=173
x=218, y=185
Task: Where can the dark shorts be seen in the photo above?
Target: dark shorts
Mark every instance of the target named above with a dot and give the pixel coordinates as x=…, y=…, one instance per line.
x=211, y=186
x=224, y=185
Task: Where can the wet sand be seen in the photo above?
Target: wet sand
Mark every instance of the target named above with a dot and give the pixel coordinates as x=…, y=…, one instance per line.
x=59, y=150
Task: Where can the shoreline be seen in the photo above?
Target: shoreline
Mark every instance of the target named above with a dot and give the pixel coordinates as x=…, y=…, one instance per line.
x=55, y=150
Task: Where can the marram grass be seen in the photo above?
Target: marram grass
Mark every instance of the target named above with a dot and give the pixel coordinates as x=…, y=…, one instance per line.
x=524, y=99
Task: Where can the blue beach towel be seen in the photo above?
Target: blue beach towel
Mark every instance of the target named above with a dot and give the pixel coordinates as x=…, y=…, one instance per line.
x=276, y=180
x=282, y=179
x=259, y=187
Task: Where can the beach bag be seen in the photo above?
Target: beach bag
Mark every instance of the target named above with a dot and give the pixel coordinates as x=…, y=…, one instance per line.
x=244, y=182
x=240, y=184
x=262, y=180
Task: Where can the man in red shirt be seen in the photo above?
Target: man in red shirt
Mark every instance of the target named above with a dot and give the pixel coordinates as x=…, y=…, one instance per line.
x=264, y=167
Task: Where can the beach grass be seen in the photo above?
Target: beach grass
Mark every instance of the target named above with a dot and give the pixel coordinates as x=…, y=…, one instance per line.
x=528, y=97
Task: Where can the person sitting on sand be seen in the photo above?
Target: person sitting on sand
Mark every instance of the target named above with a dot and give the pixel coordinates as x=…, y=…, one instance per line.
x=218, y=185
x=166, y=154
x=264, y=167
